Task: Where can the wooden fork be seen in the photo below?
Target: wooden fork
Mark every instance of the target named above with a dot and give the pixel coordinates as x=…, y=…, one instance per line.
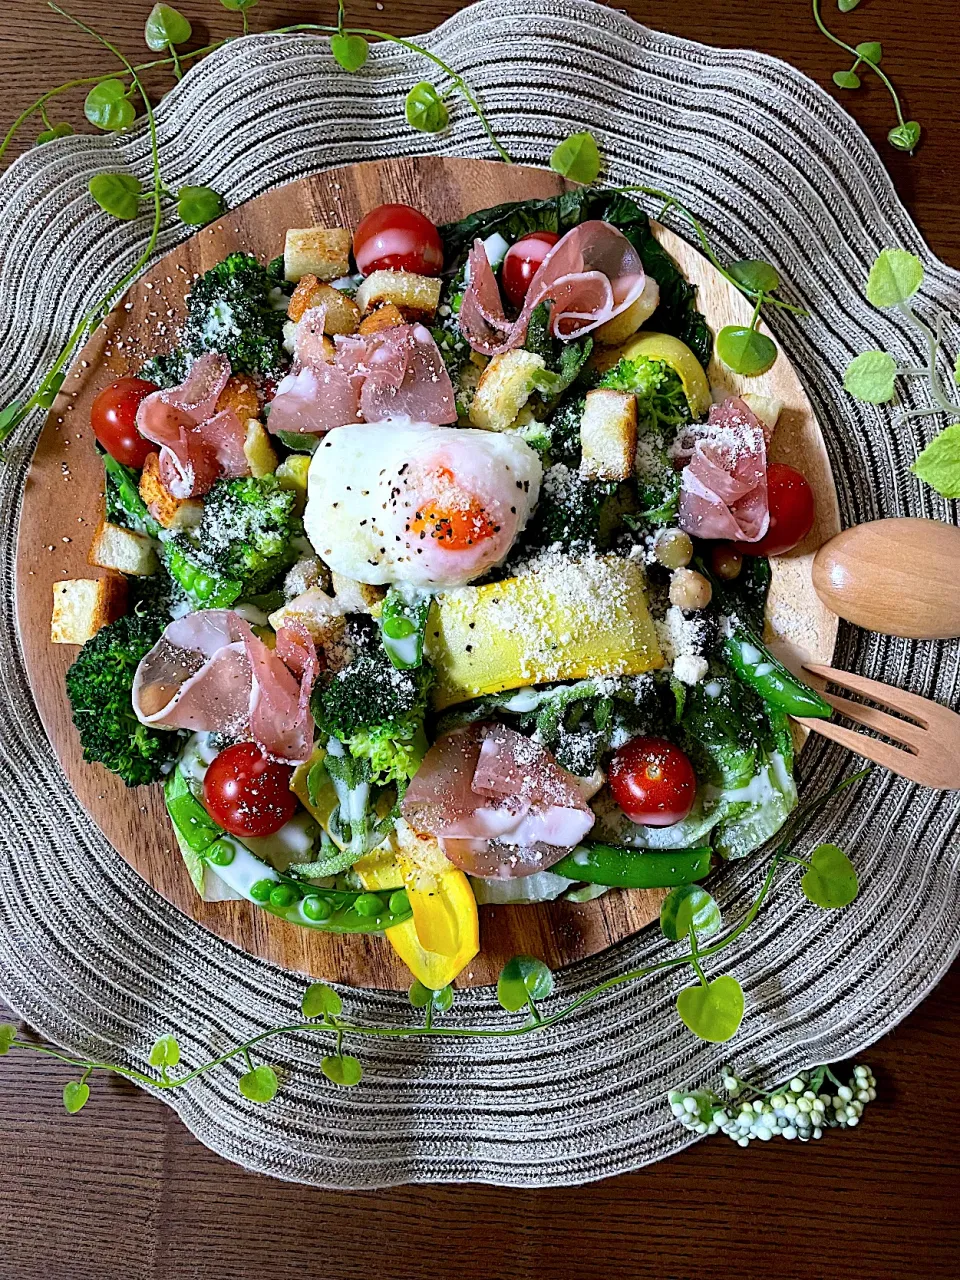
x=929, y=741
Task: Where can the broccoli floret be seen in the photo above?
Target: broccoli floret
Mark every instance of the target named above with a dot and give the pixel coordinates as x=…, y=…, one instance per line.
x=246, y=535
x=374, y=709
x=576, y=514
x=99, y=687
x=168, y=369
x=235, y=308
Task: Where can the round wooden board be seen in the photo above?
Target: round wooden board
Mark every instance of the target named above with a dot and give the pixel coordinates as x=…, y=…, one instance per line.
x=62, y=506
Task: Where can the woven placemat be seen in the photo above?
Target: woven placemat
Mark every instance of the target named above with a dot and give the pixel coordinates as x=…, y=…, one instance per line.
x=95, y=960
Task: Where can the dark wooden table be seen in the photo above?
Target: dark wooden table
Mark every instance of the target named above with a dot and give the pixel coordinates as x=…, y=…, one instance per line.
x=123, y=1192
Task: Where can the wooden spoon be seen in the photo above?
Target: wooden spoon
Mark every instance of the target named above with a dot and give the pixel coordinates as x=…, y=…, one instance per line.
x=900, y=577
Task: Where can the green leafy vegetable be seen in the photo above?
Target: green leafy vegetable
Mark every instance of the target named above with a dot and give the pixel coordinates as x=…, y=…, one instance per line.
x=351, y=52
x=870, y=377
x=577, y=158
x=894, y=278
x=196, y=206
x=259, y=1084
x=686, y=908
x=831, y=881
x=118, y=194
x=425, y=110
x=108, y=106
x=714, y=1010
x=232, y=309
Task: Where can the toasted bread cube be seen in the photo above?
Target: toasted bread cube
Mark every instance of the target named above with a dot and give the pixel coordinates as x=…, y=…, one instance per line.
x=323, y=252
x=608, y=435
x=319, y=613
x=327, y=349
x=81, y=606
x=626, y=324
x=415, y=297
x=258, y=450
x=504, y=388
x=766, y=408
x=240, y=395
x=171, y=512
x=340, y=313
x=355, y=597
x=114, y=547
x=386, y=316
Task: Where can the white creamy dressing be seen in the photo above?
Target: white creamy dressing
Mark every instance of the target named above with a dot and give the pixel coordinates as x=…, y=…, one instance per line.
x=751, y=654
x=245, y=869
x=771, y=781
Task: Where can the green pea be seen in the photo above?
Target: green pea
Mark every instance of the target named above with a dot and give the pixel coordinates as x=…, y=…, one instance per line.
x=284, y=895
x=261, y=890
x=398, y=627
x=315, y=908
x=399, y=902
x=368, y=904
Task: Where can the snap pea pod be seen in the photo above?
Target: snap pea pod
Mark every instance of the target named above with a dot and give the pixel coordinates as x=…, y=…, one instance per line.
x=403, y=626
x=126, y=492
x=756, y=666
x=634, y=868
x=206, y=590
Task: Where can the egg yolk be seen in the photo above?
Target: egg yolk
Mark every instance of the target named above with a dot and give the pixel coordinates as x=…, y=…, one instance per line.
x=455, y=520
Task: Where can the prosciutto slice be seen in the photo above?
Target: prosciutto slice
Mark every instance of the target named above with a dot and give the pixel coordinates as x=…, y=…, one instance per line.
x=723, y=489
x=197, y=444
x=590, y=275
x=208, y=672
x=498, y=802
x=395, y=373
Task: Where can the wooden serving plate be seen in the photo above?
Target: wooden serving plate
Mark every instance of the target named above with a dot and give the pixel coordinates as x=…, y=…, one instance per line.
x=63, y=500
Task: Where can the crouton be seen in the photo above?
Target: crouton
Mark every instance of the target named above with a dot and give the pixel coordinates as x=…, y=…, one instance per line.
x=240, y=395
x=504, y=388
x=608, y=435
x=319, y=613
x=355, y=597
x=626, y=324
x=114, y=547
x=306, y=573
x=258, y=450
x=766, y=408
x=81, y=606
x=386, y=316
x=323, y=252
x=171, y=512
x=327, y=349
x=340, y=313
x=415, y=297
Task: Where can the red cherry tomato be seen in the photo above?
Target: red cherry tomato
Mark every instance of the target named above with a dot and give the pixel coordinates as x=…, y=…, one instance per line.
x=248, y=794
x=653, y=782
x=791, y=512
x=397, y=238
x=522, y=262
x=113, y=417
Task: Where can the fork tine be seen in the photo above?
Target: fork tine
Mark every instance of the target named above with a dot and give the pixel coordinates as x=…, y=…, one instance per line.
x=904, y=763
x=910, y=703
x=903, y=731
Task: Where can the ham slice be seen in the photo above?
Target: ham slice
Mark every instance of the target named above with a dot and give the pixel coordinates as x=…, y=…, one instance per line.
x=498, y=802
x=723, y=489
x=208, y=672
x=197, y=444
x=395, y=373
x=590, y=275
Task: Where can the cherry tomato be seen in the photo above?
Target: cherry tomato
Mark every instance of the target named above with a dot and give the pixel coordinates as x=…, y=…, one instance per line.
x=653, y=782
x=113, y=417
x=397, y=238
x=522, y=262
x=791, y=512
x=248, y=794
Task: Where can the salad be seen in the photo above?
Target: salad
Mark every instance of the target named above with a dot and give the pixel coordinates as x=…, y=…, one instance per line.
x=438, y=578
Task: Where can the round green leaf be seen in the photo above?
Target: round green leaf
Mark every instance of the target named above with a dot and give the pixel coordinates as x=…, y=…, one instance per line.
x=75, y=1095
x=688, y=906
x=870, y=377
x=905, y=136
x=350, y=51
x=62, y=130
x=755, y=275
x=870, y=51
x=165, y=1052
x=108, y=107
x=425, y=109
x=956, y=370
x=846, y=80
x=238, y=6
x=320, y=1000
x=117, y=194
x=745, y=350
x=197, y=206
x=165, y=26
x=342, y=1069
x=712, y=1012
x=419, y=995
x=443, y=999
x=832, y=879
x=577, y=158
x=10, y=417
x=846, y=5
x=8, y=1033
x=521, y=978
x=259, y=1085
x=939, y=463
x=894, y=277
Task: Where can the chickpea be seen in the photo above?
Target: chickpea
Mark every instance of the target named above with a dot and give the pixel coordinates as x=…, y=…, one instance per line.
x=673, y=548
x=689, y=589
x=726, y=562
